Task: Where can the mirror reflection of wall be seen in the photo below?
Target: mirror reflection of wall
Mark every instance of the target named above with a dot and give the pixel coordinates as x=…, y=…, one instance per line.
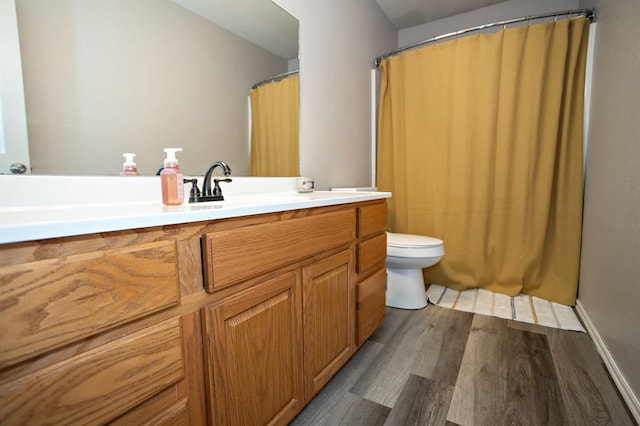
x=112, y=76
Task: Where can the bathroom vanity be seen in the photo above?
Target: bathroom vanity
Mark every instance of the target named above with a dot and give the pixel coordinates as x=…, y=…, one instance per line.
x=216, y=316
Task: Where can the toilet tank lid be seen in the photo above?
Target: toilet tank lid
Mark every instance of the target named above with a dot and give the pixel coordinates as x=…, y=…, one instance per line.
x=411, y=240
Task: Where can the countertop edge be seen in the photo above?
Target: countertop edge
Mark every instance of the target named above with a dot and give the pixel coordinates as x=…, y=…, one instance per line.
x=96, y=219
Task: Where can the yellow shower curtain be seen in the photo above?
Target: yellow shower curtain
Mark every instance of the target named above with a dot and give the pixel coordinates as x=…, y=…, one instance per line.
x=480, y=141
x=274, y=128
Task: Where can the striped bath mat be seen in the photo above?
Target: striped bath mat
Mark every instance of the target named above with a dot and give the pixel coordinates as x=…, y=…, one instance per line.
x=523, y=307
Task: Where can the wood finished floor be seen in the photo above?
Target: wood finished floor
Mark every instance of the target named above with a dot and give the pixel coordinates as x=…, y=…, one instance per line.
x=436, y=366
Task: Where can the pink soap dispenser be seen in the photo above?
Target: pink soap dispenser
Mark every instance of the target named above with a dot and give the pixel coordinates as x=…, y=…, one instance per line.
x=171, y=179
x=129, y=168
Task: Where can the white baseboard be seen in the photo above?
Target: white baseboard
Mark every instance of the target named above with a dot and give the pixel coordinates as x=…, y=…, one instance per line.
x=621, y=383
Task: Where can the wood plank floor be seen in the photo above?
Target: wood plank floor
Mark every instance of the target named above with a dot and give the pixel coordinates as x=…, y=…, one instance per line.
x=436, y=366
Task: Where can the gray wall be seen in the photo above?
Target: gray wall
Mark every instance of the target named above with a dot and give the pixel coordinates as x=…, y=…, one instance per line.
x=610, y=267
x=338, y=42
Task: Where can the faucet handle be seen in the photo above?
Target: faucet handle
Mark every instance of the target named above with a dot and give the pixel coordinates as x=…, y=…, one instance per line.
x=194, y=196
x=217, y=192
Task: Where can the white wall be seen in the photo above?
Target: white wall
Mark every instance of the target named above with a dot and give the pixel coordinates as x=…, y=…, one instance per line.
x=498, y=12
x=338, y=42
x=609, y=290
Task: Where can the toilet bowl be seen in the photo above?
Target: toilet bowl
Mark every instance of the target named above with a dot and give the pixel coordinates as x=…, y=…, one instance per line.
x=407, y=254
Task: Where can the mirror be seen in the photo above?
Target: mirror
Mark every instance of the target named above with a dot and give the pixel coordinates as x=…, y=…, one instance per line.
x=106, y=77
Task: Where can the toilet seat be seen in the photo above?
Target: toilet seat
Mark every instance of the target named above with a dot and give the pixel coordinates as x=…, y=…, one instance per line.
x=409, y=245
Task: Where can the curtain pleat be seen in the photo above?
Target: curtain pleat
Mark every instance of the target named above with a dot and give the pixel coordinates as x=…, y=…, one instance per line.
x=480, y=142
x=274, y=128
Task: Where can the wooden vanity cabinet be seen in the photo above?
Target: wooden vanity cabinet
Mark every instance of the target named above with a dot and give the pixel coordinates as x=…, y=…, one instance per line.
x=90, y=334
x=231, y=321
x=289, y=327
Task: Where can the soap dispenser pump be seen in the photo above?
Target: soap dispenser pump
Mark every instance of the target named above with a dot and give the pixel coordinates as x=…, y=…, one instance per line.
x=171, y=179
x=129, y=167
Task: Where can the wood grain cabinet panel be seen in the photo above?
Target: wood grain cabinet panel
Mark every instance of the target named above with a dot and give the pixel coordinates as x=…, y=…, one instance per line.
x=371, y=252
x=370, y=266
x=98, y=385
x=372, y=219
x=174, y=415
x=117, y=327
x=253, y=354
x=329, y=321
x=47, y=303
x=235, y=255
x=163, y=409
x=370, y=308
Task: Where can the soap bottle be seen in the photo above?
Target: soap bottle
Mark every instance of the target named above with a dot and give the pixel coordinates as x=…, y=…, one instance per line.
x=171, y=179
x=129, y=167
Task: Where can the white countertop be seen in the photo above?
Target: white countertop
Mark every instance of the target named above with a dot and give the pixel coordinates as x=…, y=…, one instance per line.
x=27, y=221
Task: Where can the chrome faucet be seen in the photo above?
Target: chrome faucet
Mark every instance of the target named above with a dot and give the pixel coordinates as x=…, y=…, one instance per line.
x=215, y=194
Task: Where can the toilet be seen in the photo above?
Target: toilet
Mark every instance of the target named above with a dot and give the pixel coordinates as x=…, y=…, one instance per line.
x=407, y=254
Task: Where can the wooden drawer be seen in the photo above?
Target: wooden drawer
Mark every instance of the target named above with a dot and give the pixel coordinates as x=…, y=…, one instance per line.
x=48, y=302
x=176, y=415
x=171, y=413
x=234, y=255
x=372, y=219
x=98, y=385
x=371, y=252
x=370, y=296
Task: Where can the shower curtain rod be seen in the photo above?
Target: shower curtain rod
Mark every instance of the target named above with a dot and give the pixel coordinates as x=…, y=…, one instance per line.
x=588, y=14
x=275, y=78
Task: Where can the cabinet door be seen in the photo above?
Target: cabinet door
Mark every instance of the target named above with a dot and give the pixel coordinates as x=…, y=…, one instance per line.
x=253, y=354
x=329, y=324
